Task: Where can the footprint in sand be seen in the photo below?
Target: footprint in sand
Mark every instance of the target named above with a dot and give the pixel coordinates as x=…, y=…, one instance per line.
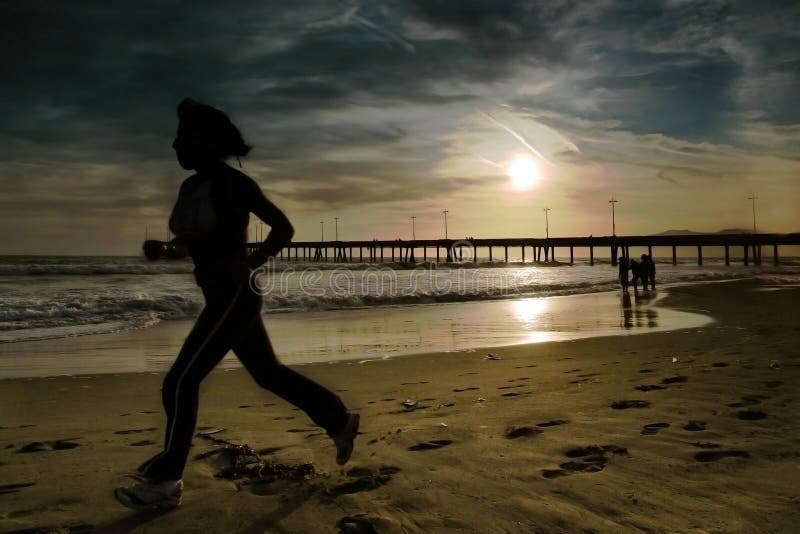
x=705, y=445
x=73, y=528
x=363, y=479
x=366, y=524
x=650, y=388
x=269, y=450
x=14, y=488
x=135, y=430
x=283, y=418
x=143, y=443
x=431, y=445
x=720, y=364
x=748, y=400
x=625, y=404
x=653, y=428
x=773, y=384
x=514, y=432
x=675, y=379
x=713, y=456
x=553, y=422
x=695, y=426
x=750, y=415
x=590, y=459
x=57, y=445
x=470, y=388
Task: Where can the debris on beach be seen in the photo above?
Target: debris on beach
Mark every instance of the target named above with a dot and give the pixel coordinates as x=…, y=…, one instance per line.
x=210, y=431
x=492, y=356
x=245, y=463
x=410, y=404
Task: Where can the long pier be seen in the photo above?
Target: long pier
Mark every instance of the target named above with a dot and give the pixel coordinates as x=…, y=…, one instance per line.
x=453, y=250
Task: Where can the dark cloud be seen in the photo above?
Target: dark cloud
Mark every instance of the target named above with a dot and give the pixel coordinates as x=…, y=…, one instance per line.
x=352, y=103
x=113, y=73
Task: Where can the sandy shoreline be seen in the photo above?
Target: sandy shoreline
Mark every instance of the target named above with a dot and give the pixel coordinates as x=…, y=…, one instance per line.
x=528, y=443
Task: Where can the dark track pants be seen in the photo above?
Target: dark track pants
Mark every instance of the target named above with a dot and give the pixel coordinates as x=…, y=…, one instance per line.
x=231, y=320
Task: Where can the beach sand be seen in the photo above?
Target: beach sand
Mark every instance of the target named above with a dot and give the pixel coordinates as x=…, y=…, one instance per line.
x=685, y=431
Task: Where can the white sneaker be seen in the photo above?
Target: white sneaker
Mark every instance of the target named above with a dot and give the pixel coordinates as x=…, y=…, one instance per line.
x=147, y=495
x=344, y=439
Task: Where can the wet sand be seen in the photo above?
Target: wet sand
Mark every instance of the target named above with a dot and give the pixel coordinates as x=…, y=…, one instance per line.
x=686, y=431
x=359, y=334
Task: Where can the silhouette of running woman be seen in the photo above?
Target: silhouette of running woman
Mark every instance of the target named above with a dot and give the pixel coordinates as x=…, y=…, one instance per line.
x=210, y=218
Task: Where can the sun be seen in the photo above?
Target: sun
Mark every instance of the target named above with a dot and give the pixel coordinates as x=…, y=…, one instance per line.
x=524, y=172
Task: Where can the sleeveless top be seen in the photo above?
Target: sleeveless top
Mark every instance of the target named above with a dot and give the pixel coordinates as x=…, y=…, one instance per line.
x=211, y=216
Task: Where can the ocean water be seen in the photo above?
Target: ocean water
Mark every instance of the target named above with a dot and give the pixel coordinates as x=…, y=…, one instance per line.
x=47, y=297
x=56, y=313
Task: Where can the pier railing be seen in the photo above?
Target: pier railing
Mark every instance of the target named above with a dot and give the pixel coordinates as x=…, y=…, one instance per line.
x=542, y=249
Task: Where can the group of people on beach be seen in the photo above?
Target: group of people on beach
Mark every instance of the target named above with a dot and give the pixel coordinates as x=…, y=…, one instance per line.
x=644, y=270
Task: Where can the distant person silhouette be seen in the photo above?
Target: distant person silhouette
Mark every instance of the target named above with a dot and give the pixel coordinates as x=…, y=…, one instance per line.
x=646, y=270
x=622, y=262
x=211, y=217
x=637, y=273
x=651, y=270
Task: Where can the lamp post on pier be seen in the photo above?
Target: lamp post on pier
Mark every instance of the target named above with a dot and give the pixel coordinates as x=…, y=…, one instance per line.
x=445, y=222
x=322, y=230
x=546, y=224
x=337, y=227
x=613, y=201
x=753, y=197
x=413, y=229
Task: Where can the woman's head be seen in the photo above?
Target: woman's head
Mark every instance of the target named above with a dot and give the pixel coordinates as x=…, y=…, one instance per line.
x=205, y=136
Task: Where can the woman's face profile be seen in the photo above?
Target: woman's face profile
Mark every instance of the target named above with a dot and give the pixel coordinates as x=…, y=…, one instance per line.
x=190, y=150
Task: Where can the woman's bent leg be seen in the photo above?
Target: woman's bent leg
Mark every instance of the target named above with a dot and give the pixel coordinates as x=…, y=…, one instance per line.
x=324, y=407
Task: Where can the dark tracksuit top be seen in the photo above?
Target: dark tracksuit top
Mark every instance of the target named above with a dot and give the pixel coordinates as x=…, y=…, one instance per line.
x=230, y=320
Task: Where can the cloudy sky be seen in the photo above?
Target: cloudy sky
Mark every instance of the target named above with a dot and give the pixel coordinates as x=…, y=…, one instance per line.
x=374, y=112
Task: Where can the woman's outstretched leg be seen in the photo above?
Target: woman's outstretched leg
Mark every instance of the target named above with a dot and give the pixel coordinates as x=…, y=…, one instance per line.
x=324, y=407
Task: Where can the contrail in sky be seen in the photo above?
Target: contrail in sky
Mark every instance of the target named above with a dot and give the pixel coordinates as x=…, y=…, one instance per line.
x=490, y=162
x=517, y=136
x=533, y=115
x=351, y=16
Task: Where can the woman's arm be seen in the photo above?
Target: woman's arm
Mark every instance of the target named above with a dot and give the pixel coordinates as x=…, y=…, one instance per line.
x=281, y=230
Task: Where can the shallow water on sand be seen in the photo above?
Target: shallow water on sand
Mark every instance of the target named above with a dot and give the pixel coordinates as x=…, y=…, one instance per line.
x=364, y=334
